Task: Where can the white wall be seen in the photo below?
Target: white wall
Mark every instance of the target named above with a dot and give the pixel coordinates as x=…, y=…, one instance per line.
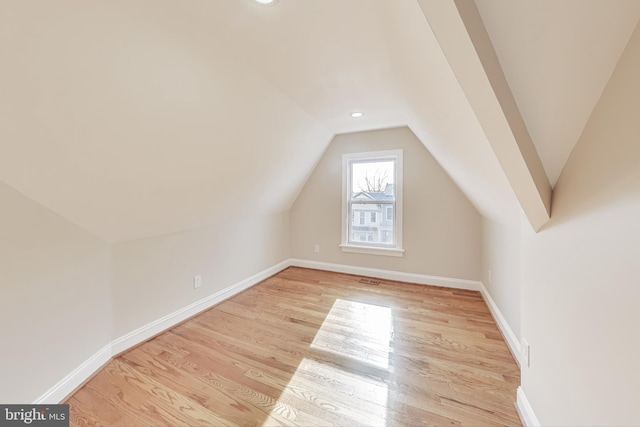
x=581, y=289
x=54, y=297
x=501, y=254
x=153, y=277
x=442, y=229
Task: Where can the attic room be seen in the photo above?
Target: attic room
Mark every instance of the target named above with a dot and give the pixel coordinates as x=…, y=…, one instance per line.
x=171, y=166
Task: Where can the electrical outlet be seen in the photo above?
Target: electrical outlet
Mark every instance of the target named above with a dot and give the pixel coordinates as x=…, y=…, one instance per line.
x=526, y=353
x=316, y=249
x=197, y=281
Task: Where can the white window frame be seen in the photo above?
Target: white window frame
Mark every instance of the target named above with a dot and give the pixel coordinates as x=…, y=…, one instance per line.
x=396, y=250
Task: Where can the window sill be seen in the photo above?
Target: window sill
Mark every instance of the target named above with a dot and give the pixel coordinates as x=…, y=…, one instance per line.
x=372, y=251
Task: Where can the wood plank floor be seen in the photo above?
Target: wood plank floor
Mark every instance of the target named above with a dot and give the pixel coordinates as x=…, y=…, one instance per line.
x=313, y=348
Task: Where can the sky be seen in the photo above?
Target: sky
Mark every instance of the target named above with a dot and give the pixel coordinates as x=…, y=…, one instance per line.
x=371, y=169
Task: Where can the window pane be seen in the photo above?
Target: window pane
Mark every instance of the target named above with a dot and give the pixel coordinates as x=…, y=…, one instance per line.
x=365, y=228
x=373, y=180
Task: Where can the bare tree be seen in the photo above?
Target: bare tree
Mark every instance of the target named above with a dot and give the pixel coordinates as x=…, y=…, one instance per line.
x=375, y=183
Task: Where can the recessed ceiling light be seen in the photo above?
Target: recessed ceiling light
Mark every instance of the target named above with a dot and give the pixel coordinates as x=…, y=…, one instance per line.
x=356, y=114
x=266, y=2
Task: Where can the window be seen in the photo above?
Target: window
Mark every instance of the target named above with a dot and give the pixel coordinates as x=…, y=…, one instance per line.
x=372, y=188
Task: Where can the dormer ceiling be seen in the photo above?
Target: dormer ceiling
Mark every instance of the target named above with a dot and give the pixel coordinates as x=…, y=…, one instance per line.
x=139, y=118
x=557, y=56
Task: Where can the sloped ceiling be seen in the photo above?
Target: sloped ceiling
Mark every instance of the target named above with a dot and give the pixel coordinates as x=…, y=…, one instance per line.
x=557, y=56
x=139, y=118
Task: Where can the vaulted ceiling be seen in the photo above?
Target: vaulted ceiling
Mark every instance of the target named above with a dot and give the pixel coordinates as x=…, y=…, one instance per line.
x=139, y=118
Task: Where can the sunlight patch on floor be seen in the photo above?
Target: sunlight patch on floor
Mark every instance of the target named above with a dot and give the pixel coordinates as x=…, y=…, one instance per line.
x=357, y=331
x=316, y=388
x=353, y=331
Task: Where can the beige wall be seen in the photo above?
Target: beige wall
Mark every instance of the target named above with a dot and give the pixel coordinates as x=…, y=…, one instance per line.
x=54, y=297
x=581, y=272
x=442, y=231
x=154, y=277
x=65, y=294
x=501, y=254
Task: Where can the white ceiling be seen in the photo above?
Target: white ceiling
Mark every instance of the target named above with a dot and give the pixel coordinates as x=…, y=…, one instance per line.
x=557, y=56
x=139, y=118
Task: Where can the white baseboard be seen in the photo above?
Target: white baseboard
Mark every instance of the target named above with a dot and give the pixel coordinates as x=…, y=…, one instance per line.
x=74, y=379
x=68, y=384
x=65, y=386
x=421, y=279
x=527, y=416
x=149, y=330
x=512, y=340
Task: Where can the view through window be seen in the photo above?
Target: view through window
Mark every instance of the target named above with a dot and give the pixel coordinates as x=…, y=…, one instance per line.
x=372, y=199
x=372, y=193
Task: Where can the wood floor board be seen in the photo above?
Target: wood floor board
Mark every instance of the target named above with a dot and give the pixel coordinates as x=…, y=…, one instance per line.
x=312, y=348
x=223, y=378
x=93, y=410
x=225, y=402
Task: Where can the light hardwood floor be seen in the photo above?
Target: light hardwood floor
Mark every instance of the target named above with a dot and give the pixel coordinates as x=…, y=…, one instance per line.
x=312, y=348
